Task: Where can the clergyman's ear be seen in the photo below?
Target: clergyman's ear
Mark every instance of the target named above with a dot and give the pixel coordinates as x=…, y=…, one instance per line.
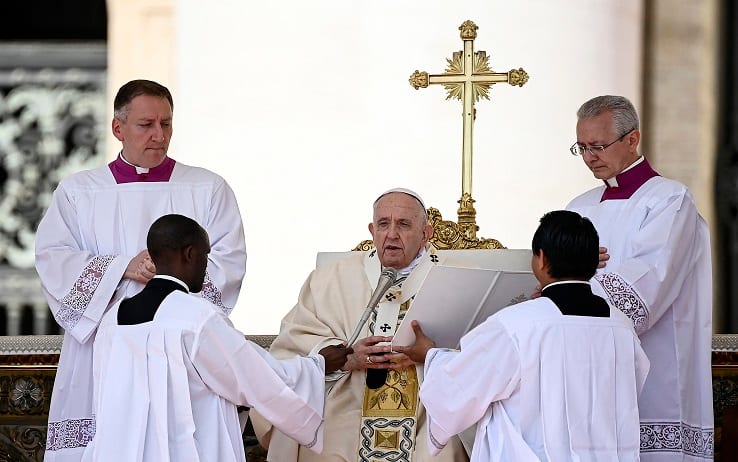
x=542, y=261
x=115, y=126
x=633, y=139
x=428, y=232
x=188, y=253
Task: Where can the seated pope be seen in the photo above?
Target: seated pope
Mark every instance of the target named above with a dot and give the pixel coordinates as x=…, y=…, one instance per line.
x=372, y=409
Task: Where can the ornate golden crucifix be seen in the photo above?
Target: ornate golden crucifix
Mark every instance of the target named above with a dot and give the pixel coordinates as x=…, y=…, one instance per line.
x=467, y=78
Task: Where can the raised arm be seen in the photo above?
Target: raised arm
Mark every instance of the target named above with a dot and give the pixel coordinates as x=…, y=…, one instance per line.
x=78, y=284
x=670, y=244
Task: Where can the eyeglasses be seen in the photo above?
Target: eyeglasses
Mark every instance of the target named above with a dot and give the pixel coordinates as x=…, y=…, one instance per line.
x=577, y=149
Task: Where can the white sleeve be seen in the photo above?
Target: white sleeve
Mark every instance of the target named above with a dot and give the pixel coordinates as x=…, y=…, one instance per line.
x=79, y=285
x=666, y=249
x=289, y=393
x=227, y=259
x=459, y=387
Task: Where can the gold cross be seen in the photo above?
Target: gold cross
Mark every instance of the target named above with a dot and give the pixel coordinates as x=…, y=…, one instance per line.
x=468, y=78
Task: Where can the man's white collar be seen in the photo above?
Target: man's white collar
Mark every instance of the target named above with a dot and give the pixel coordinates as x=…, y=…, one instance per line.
x=139, y=170
x=172, y=278
x=409, y=268
x=613, y=182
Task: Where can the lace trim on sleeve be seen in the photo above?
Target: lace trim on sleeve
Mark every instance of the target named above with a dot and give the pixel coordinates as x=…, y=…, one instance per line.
x=211, y=293
x=69, y=434
x=75, y=303
x=623, y=297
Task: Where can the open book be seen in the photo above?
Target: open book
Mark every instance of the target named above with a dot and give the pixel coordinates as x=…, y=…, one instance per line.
x=452, y=301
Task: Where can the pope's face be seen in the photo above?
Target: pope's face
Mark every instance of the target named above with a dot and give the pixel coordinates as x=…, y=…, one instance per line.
x=146, y=131
x=399, y=229
x=599, y=131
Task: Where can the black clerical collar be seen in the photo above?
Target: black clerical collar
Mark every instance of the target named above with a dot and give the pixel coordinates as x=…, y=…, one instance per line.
x=142, y=307
x=575, y=298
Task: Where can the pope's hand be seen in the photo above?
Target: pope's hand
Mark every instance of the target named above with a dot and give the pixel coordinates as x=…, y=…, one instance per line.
x=369, y=353
x=536, y=292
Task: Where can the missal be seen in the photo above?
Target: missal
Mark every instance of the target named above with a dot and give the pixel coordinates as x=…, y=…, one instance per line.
x=453, y=300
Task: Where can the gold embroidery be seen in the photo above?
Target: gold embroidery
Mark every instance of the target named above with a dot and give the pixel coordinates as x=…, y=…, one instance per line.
x=387, y=439
x=398, y=397
x=389, y=420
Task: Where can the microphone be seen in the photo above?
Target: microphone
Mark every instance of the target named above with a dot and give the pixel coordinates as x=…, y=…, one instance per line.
x=386, y=279
x=375, y=378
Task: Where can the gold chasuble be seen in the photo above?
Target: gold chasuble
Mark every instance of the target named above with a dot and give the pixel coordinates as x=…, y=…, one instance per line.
x=389, y=416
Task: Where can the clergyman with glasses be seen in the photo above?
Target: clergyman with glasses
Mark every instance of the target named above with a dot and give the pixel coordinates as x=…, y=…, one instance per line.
x=658, y=273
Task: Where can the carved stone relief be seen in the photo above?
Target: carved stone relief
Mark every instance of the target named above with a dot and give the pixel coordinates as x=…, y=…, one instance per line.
x=52, y=124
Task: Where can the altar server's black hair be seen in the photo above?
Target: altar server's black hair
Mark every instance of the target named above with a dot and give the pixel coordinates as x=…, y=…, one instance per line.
x=570, y=243
x=173, y=233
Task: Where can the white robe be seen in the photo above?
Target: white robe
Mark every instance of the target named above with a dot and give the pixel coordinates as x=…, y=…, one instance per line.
x=167, y=390
x=660, y=275
x=541, y=385
x=89, y=234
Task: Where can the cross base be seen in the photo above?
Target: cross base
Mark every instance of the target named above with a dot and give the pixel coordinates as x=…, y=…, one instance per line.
x=462, y=235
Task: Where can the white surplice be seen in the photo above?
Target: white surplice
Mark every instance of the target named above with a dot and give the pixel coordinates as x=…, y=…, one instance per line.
x=167, y=390
x=91, y=231
x=541, y=385
x=660, y=275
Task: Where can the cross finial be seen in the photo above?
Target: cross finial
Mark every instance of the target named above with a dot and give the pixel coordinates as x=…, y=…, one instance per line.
x=468, y=30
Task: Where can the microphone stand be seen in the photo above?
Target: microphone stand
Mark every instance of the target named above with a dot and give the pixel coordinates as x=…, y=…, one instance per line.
x=386, y=279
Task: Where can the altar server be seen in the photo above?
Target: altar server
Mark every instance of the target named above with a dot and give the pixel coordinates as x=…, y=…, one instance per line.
x=170, y=369
x=555, y=378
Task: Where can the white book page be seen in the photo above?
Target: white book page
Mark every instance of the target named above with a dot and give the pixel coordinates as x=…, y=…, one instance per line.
x=452, y=301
